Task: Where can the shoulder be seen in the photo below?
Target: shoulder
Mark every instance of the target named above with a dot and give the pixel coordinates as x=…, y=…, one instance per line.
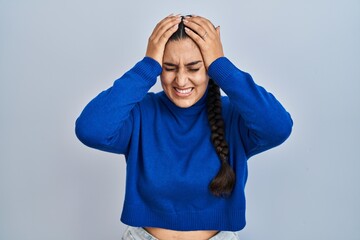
x=225, y=101
x=228, y=109
x=152, y=97
x=225, y=105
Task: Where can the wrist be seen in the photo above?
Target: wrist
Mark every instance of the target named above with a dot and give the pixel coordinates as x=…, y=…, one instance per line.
x=213, y=59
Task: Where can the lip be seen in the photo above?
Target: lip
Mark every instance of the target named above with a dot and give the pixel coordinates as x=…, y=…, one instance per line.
x=183, y=92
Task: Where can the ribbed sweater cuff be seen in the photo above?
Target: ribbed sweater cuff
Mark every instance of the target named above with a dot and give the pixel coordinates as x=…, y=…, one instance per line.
x=148, y=69
x=221, y=70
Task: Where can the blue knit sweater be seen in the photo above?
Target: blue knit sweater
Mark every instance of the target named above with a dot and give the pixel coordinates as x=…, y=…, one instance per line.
x=170, y=159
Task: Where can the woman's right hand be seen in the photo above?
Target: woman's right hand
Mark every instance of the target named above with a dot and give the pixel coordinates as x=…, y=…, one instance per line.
x=160, y=36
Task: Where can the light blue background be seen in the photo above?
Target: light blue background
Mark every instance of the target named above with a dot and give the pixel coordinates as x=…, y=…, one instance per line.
x=57, y=55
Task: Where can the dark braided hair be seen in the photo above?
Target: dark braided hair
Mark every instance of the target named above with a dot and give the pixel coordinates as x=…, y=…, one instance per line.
x=223, y=183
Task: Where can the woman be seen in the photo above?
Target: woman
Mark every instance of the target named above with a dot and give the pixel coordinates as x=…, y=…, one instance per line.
x=186, y=148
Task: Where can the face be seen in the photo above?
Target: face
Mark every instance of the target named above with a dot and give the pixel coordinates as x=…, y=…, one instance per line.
x=184, y=77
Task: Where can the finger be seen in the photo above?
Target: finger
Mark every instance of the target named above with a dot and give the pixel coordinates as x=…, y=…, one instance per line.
x=162, y=32
x=218, y=30
x=199, y=30
x=194, y=36
x=160, y=24
x=164, y=38
x=171, y=16
x=164, y=25
x=202, y=28
x=204, y=23
x=156, y=28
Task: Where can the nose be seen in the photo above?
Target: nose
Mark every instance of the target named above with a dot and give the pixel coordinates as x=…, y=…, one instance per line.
x=181, y=78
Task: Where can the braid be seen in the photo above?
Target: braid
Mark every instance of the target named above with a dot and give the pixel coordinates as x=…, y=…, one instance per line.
x=223, y=183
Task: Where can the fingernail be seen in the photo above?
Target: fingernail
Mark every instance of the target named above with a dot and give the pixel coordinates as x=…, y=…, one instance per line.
x=185, y=21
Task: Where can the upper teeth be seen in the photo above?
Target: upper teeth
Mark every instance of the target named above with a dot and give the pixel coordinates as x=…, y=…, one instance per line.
x=184, y=91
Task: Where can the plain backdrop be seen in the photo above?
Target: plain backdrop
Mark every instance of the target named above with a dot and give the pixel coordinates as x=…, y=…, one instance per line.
x=55, y=56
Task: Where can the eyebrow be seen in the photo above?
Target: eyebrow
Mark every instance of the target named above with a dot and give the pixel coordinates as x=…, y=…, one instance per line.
x=187, y=65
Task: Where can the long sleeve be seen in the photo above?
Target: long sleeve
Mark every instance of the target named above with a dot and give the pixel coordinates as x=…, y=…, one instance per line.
x=263, y=121
x=106, y=121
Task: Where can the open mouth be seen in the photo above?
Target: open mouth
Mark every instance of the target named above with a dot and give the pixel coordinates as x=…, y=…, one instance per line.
x=184, y=91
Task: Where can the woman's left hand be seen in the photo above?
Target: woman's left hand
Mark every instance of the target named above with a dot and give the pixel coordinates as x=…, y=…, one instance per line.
x=206, y=36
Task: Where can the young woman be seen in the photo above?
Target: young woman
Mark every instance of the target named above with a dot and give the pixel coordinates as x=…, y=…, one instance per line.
x=186, y=147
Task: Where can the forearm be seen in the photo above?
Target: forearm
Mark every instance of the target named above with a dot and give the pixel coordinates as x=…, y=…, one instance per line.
x=100, y=122
x=268, y=123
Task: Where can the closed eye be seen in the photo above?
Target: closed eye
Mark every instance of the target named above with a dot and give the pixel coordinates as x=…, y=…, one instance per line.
x=194, y=69
x=170, y=69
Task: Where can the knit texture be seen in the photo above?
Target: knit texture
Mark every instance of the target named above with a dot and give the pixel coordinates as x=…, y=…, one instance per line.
x=169, y=155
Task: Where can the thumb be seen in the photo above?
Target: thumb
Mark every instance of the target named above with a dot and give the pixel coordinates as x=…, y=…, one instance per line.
x=218, y=30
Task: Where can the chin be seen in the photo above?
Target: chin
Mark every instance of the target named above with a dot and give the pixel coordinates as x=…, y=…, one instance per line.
x=183, y=101
x=183, y=104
